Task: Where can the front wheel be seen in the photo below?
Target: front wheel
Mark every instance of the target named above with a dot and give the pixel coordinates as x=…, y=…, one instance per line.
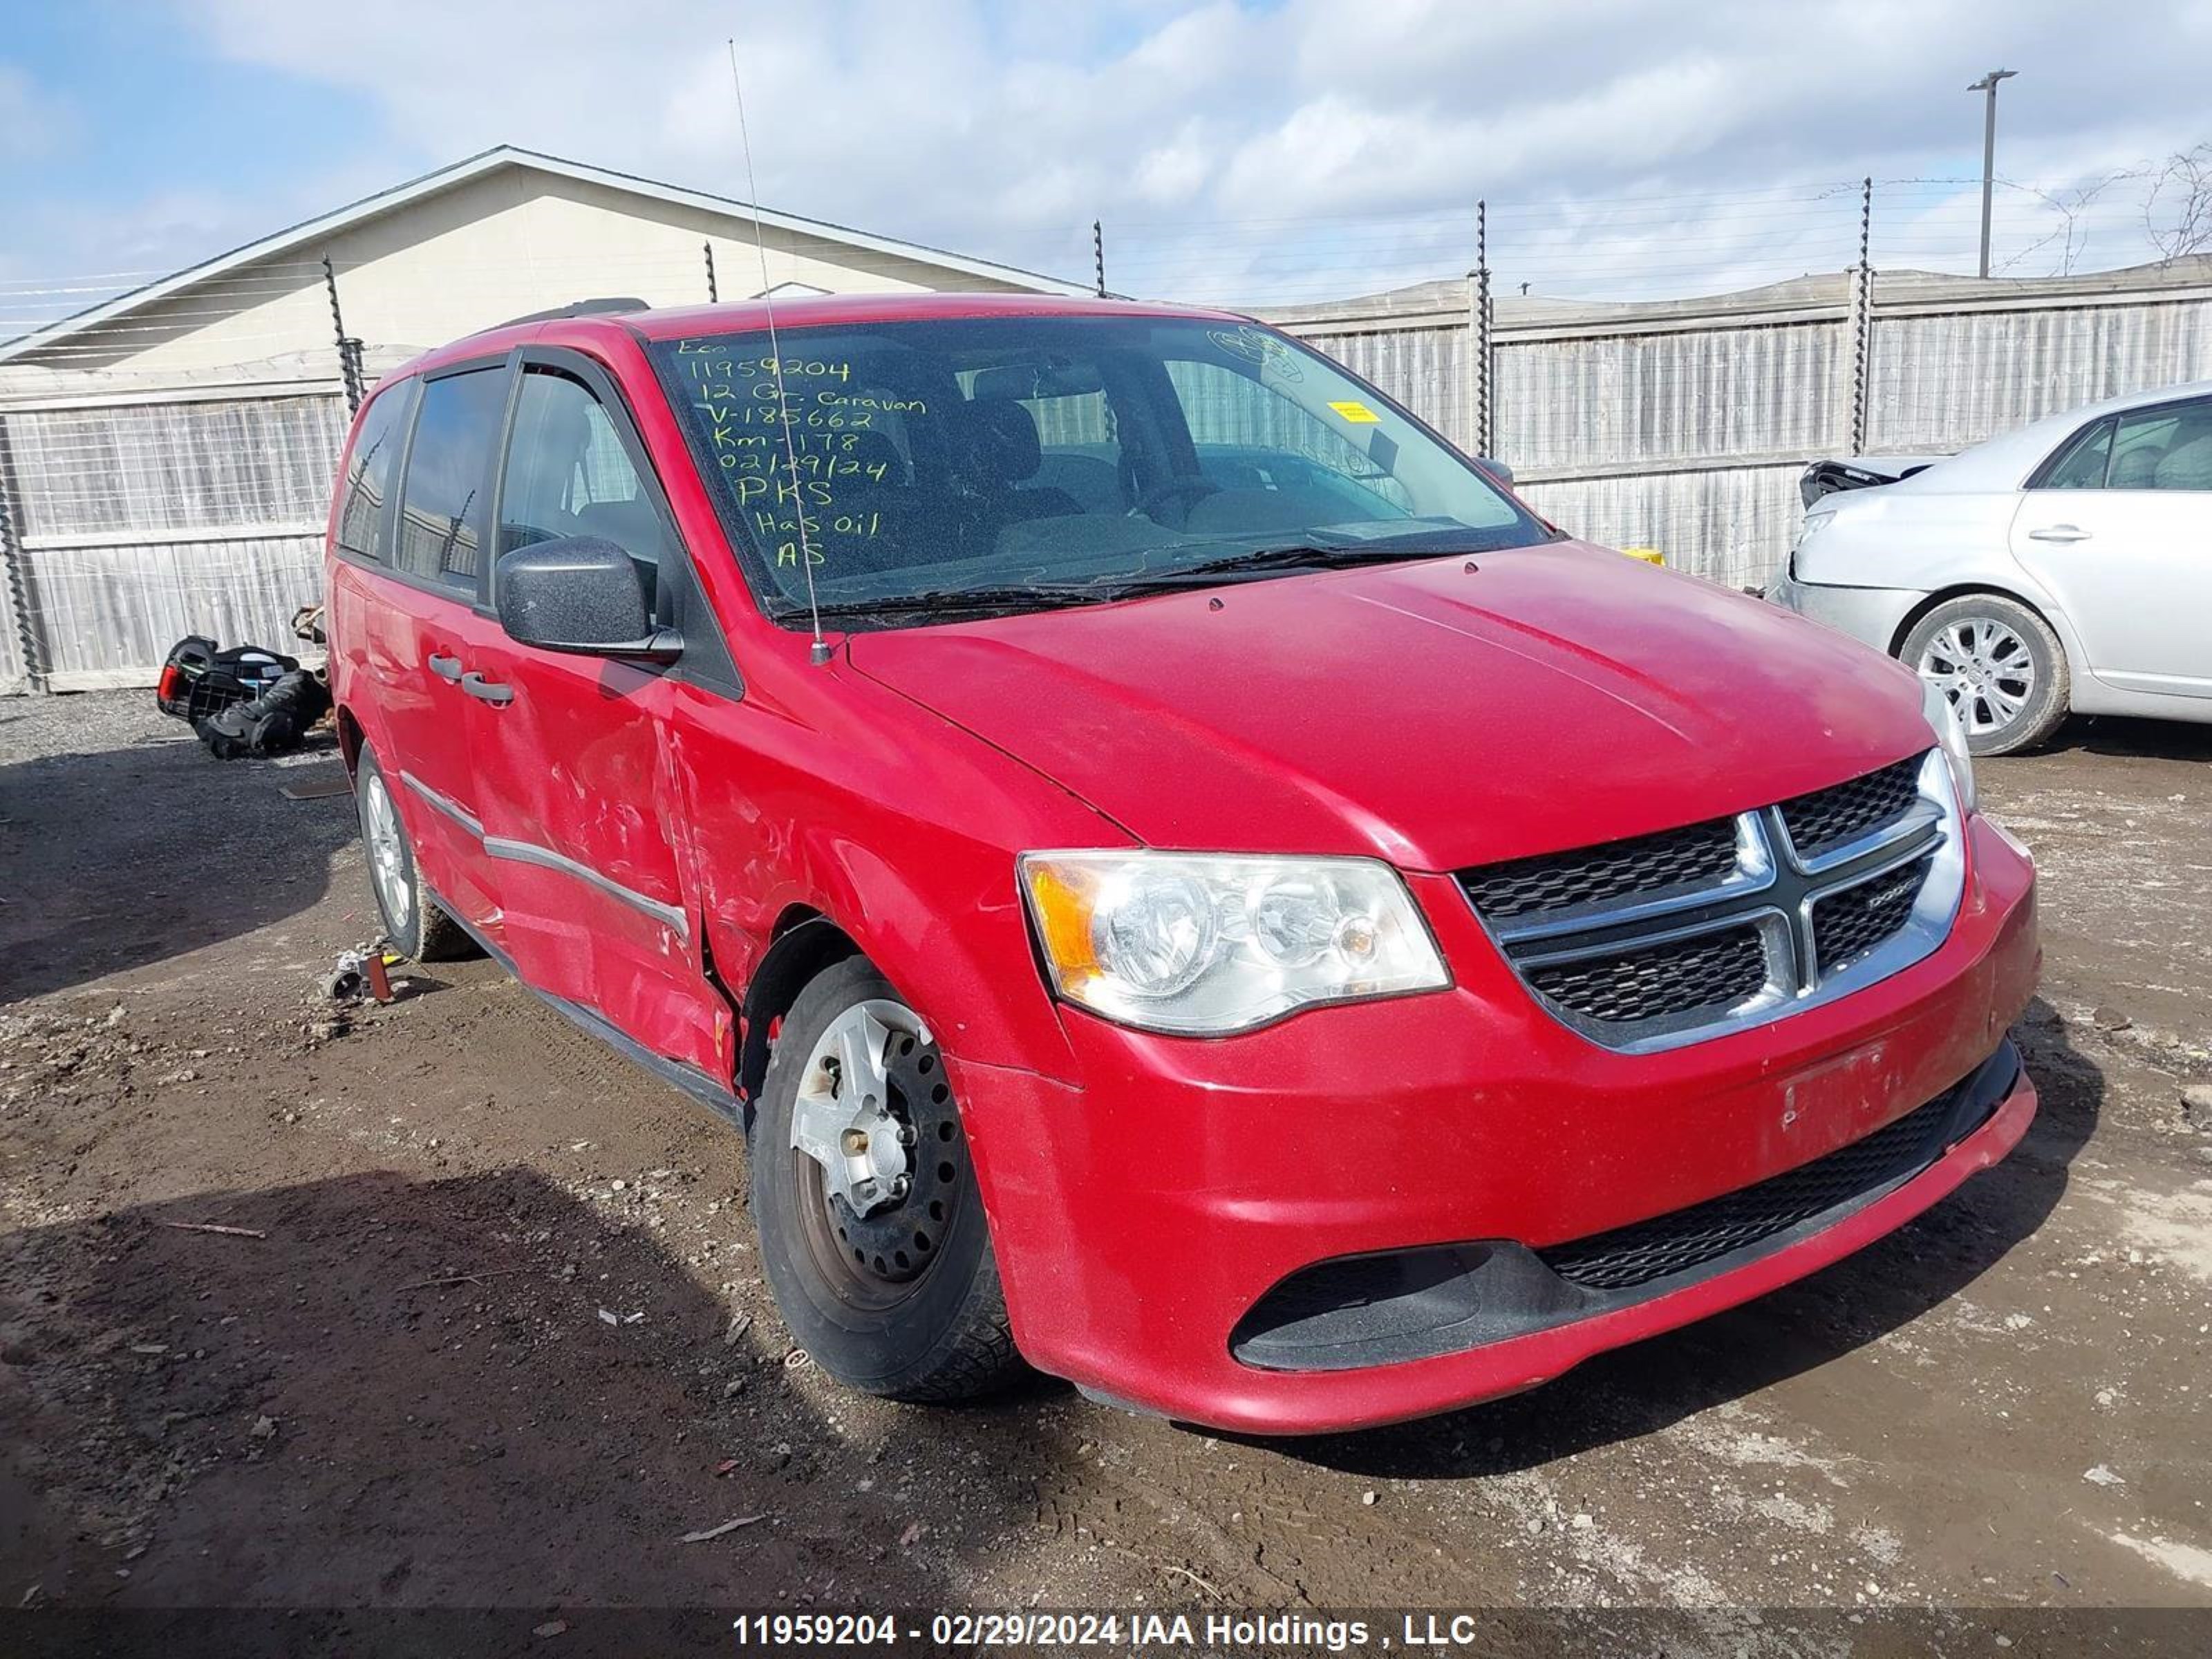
x=871, y=1225
x=1999, y=664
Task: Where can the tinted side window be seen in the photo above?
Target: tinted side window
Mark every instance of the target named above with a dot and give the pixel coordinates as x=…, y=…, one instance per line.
x=442, y=511
x=2080, y=464
x=568, y=473
x=2168, y=448
x=369, y=471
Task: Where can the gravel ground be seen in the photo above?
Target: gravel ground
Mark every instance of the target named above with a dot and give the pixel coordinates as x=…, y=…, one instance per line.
x=498, y=1335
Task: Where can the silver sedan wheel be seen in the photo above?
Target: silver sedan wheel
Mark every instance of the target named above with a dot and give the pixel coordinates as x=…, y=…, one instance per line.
x=1985, y=668
x=387, y=854
x=843, y=1118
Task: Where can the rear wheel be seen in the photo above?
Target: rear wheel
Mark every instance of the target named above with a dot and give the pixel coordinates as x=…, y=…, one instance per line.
x=413, y=923
x=871, y=1225
x=1999, y=664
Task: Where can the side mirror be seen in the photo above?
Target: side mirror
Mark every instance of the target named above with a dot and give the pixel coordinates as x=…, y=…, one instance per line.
x=1495, y=468
x=581, y=595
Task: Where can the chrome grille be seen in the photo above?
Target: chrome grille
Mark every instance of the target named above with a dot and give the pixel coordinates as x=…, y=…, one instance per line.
x=1847, y=925
x=1820, y=822
x=1707, y=970
x=1696, y=855
x=1659, y=941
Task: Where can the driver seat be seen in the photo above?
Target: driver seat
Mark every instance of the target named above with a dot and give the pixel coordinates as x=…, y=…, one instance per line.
x=1003, y=453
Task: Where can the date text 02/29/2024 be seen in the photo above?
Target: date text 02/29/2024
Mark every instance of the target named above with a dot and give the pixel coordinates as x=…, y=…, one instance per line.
x=1258, y=1632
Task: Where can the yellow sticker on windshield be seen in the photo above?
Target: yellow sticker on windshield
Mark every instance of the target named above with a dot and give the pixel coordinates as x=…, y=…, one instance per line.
x=1356, y=412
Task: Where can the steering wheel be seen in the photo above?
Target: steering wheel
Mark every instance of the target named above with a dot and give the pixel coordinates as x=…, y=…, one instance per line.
x=1194, y=488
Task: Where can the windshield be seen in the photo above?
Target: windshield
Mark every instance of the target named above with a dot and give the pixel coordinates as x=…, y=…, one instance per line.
x=1009, y=463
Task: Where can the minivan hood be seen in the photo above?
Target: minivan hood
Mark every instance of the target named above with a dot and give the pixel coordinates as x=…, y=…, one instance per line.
x=1438, y=715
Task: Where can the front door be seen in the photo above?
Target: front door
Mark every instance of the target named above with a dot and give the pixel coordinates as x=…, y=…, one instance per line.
x=2120, y=533
x=421, y=635
x=574, y=755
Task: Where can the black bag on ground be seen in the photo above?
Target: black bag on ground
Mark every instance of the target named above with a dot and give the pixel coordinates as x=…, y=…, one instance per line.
x=269, y=723
x=198, y=680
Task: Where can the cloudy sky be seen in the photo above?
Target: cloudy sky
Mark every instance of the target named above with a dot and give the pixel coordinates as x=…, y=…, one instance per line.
x=1302, y=148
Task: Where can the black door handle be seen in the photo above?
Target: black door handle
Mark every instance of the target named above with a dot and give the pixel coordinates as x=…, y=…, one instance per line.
x=484, y=690
x=447, y=669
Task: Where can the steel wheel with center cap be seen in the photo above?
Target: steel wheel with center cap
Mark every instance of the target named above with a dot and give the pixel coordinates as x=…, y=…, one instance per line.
x=871, y=1229
x=2000, y=666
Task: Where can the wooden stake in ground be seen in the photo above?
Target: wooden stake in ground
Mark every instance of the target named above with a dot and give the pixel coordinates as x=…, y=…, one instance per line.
x=716, y=1532
x=477, y=1278
x=213, y=1227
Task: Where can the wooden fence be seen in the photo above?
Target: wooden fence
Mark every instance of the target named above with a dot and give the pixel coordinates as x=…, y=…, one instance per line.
x=1684, y=425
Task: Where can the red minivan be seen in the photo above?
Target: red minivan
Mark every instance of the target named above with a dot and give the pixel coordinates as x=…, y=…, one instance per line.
x=1183, y=880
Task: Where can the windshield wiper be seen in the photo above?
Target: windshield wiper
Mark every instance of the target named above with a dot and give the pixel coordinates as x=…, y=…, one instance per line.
x=1121, y=584
x=1289, y=556
x=953, y=600
x=1317, y=554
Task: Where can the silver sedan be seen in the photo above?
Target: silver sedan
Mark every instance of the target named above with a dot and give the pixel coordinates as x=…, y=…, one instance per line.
x=2067, y=565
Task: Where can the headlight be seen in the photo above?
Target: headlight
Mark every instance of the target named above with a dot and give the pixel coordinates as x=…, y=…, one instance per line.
x=1199, y=944
x=1943, y=721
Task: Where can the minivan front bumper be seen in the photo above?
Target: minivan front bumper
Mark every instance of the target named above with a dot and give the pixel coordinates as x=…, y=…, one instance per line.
x=1172, y=1229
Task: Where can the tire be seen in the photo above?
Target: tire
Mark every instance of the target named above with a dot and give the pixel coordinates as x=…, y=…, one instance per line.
x=903, y=1301
x=2001, y=665
x=413, y=923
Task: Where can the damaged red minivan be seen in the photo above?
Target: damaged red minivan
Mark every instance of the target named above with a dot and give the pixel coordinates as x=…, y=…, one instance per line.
x=1183, y=879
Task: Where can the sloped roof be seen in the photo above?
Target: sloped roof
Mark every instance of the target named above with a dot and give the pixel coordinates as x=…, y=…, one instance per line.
x=310, y=231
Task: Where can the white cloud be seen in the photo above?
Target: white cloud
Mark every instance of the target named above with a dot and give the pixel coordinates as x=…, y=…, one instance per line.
x=1213, y=139
x=34, y=122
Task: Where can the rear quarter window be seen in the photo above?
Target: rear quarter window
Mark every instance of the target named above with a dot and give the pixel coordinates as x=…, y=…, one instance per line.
x=370, y=468
x=2080, y=463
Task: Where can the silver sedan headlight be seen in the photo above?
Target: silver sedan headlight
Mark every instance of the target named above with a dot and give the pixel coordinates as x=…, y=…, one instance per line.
x=1200, y=944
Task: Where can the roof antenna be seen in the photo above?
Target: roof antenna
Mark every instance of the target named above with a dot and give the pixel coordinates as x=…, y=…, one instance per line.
x=818, y=654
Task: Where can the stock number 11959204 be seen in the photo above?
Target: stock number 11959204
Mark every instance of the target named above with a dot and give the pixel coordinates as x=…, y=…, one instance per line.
x=814, y=1630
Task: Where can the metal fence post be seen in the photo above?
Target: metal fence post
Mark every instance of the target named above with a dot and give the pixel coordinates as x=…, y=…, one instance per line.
x=1485, y=362
x=713, y=294
x=1861, y=323
x=349, y=348
x=1471, y=425
x=29, y=642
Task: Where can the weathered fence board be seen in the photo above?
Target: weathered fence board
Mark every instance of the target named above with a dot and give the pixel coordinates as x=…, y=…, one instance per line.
x=135, y=524
x=1684, y=424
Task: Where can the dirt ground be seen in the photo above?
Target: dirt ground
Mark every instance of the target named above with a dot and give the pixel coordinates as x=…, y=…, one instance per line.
x=500, y=1338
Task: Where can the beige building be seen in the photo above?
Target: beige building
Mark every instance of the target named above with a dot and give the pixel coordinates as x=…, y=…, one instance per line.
x=166, y=457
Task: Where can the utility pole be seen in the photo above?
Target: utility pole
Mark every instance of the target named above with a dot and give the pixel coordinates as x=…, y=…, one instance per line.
x=1988, y=83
